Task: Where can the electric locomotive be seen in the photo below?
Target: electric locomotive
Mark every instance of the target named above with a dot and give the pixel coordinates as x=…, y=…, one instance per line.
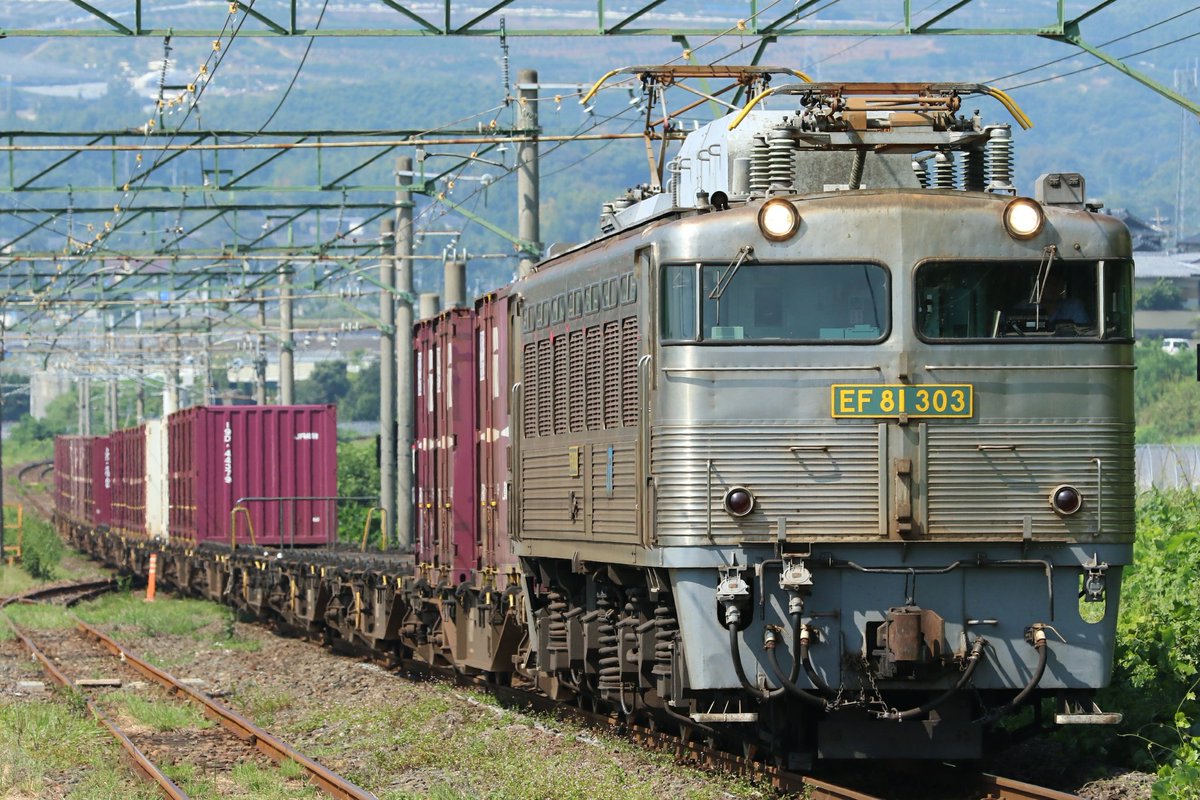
x=825, y=446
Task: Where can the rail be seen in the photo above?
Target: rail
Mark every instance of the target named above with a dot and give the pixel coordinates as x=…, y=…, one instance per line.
x=276, y=749
x=140, y=762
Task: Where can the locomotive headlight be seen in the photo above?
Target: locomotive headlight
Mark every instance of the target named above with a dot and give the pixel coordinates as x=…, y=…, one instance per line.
x=1066, y=500
x=739, y=501
x=1023, y=218
x=778, y=220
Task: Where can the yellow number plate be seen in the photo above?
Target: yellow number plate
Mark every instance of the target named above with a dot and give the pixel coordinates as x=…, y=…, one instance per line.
x=893, y=400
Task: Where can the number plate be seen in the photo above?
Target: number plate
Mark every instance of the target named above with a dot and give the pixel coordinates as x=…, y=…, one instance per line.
x=892, y=400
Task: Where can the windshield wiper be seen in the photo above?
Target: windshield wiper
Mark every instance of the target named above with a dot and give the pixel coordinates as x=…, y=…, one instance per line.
x=727, y=275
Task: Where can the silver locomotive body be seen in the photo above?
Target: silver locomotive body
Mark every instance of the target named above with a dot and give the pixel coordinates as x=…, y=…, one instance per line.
x=853, y=482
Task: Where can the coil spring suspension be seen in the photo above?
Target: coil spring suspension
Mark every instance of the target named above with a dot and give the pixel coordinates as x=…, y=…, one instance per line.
x=610, y=657
x=556, y=640
x=665, y=631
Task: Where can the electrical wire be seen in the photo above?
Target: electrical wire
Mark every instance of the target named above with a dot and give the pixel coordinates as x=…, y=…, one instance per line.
x=1102, y=44
x=1102, y=63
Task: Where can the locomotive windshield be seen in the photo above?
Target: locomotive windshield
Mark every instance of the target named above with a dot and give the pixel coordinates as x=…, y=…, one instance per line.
x=755, y=302
x=1023, y=300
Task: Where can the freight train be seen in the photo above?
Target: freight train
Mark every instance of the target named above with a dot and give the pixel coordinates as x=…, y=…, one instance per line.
x=823, y=448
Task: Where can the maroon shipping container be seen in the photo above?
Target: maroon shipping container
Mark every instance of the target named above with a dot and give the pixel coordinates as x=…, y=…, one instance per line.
x=101, y=480
x=447, y=481
x=425, y=457
x=73, y=478
x=63, y=491
x=128, y=471
x=273, y=460
x=493, y=436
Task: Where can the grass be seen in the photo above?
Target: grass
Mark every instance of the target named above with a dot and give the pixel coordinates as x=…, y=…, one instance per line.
x=194, y=783
x=162, y=716
x=434, y=737
x=40, y=617
x=262, y=706
x=271, y=784
x=166, y=616
x=14, y=580
x=257, y=782
x=41, y=741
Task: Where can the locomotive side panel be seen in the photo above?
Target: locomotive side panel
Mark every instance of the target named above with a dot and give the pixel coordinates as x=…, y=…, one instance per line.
x=580, y=340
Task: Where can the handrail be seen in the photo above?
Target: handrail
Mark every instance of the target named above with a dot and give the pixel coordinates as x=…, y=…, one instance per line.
x=383, y=527
x=295, y=498
x=233, y=526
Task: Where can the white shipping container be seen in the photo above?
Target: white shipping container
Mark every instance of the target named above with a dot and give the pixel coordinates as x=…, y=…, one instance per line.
x=157, y=500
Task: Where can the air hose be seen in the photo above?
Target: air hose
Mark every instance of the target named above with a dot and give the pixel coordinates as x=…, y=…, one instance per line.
x=973, y=659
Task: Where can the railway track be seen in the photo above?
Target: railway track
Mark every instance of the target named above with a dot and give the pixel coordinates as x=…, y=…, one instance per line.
x=237, y=740
x=67, y=594
x=946, y=783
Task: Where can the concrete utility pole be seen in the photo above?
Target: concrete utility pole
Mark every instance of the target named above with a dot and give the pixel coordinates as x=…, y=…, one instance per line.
x=387, y=371
x=454, y=277
x=85, y=407
x=260, y=356
x=113, y=413
x=405, y=388
x=287, y=373
x=139, y=405
x=171, y=390
x=528, y=225
x=430, y=303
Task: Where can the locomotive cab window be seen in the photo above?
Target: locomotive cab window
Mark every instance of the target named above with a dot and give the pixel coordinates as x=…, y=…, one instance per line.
x=774, y=303
x=1024, y=300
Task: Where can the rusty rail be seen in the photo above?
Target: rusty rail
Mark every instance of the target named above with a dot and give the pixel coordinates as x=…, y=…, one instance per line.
x=997, y=788
x=144, y=766
x=276, y=749
x=86, y=590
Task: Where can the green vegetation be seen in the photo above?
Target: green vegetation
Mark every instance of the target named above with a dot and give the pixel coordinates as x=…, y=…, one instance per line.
x=269, y=784
x=358, y=476
x=166, y=616
x=40, y=617
x=431, y=739
x=41, y=549
x=262, y=705
x=162, y=716
x=1157, y=653
x=1162, y=295
x=356, y=394
x=13, y=580
x=40, y=741
x=1165, y=396
x=194, y=782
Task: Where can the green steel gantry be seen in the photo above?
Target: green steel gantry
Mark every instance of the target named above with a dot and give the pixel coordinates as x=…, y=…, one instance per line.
x=762, y=19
